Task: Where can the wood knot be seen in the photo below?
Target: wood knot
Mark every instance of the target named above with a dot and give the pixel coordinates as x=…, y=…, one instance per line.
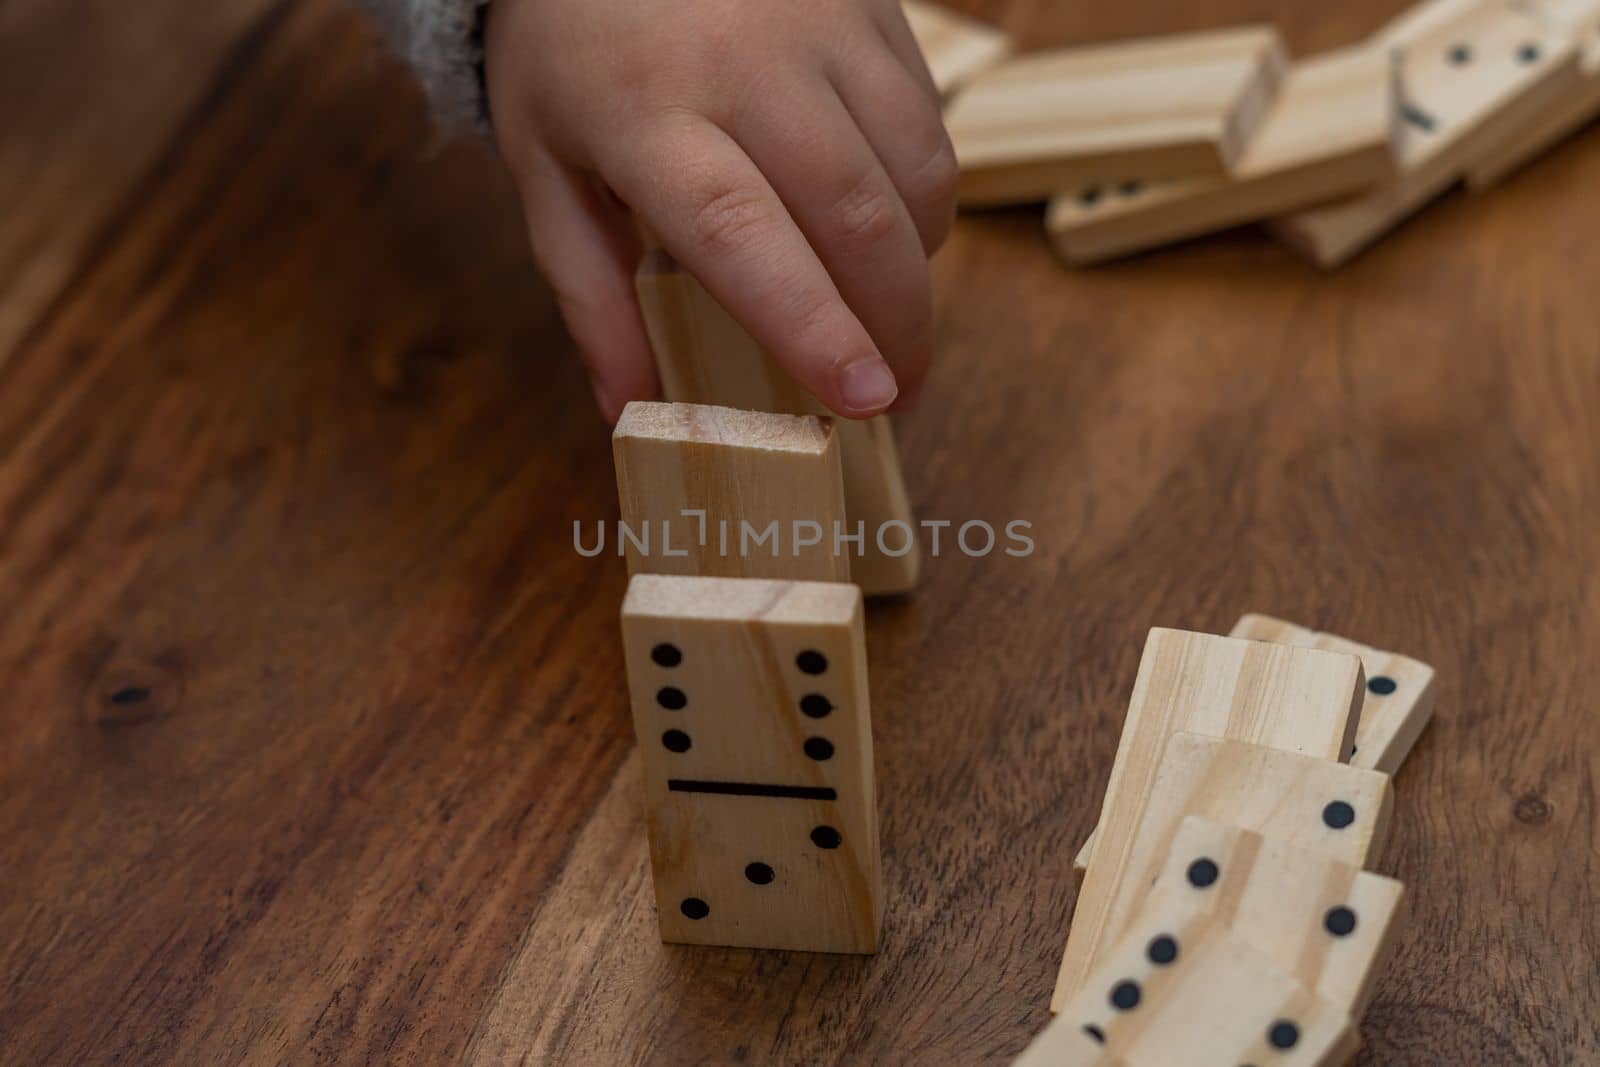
x=1532, y=809
x=130, y=690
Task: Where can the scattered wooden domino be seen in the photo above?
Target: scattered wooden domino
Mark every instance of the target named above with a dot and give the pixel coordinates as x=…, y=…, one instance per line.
x=1330, y=132
x=955, y=47
x=1149, y=109
x=1397, y=707
x=1339, y=811
x=1180, y=988
x=747, y=472
x=1296, y=699
x=1329, y=924
x=1400, y=692
x=1470, y=84
x=704, y=357
x=1580, y=19
x=750, y=705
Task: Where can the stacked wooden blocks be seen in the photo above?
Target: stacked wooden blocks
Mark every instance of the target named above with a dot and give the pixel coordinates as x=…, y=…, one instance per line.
x=1226, y=913
x=746, y=513
x=1143, y=143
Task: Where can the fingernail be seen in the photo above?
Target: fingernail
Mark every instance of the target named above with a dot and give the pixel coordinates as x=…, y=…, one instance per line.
x=868, y=386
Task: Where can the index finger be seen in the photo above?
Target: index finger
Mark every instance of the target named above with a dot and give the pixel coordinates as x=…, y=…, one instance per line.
x=717, y=215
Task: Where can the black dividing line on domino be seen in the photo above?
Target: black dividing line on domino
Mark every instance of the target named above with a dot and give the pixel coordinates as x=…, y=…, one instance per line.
x=753, y=789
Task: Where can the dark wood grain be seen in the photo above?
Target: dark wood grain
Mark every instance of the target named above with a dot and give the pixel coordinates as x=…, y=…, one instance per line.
x=316, y=743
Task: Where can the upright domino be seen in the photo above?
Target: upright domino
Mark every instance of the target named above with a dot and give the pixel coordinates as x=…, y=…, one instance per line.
x=1581, y=20
x=750, y=704
x=1150, y=109
x=704, y=357
x=1338, y=811
x=954, y=46
x=1180, y=988
x=1470, y=83
x=764, y=493
x=1400, y=690
x=1330, y=925
x=1330, y=132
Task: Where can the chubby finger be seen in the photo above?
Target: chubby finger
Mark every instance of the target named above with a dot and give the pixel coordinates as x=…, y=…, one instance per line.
x=843, y=200
x=583, y=242
x=901, y=121
x=719, y=217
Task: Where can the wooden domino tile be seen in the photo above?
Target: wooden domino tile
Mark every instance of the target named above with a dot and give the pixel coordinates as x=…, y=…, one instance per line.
x=955, y=47
x=1180, y=988
x=1339, y=811
x=743, y=469
x=1300, y=700
x=1330, y=925
x=704, y=357
x=1330, y=133
x=1470, y=84
x=751, y=709
x=1155, y=108
x=1581, y=20
x=1400, y=691
x=1202, y=714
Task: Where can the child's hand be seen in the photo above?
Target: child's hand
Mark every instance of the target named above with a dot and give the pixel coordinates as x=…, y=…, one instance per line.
x=789, y=153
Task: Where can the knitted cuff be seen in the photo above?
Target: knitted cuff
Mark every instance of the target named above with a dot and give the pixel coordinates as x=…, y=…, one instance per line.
x=443, y=42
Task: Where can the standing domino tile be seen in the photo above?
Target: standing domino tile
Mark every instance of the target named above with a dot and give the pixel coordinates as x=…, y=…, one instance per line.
x=745, y=470
x=1470, y=84
x=1329, y=924
x=1330, y=133
x=704, y=357
x=750, y=705
x=1180, y=988
x=1157, y=108
x=954, y=46
x=1400, y=690
x=1340, y=812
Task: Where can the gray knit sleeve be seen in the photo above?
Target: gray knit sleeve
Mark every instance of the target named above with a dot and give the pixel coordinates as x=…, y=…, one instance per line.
x=443, y=42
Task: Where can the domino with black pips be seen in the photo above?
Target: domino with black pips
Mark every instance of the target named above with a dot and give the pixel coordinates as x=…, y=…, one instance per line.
x=751, y=709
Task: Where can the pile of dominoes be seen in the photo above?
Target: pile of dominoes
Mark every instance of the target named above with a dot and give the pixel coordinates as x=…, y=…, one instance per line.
x=1144, y=143
x=1226, y=913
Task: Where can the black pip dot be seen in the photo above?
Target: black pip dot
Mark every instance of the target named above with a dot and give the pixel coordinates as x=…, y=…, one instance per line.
x=1125, y=996
x=1460, y=55
x=759, y=873
x=1090, y=196
x=815, y=705
x=1202, y=872
x=1381, y=685
x=1340, y=921
x=1284, y=1034
x=1162, y=950
x=1095, y=1032
x=132, y=694
x=1338, y=815
x=694, y=908
x=671, y=699
x=675, y=740
x=825, y=837
x=811, y=661
x=1528, y=53
x=819, y=748
x=666, y=655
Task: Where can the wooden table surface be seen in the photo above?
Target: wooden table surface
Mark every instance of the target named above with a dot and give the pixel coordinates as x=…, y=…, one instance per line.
x=316, y=742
